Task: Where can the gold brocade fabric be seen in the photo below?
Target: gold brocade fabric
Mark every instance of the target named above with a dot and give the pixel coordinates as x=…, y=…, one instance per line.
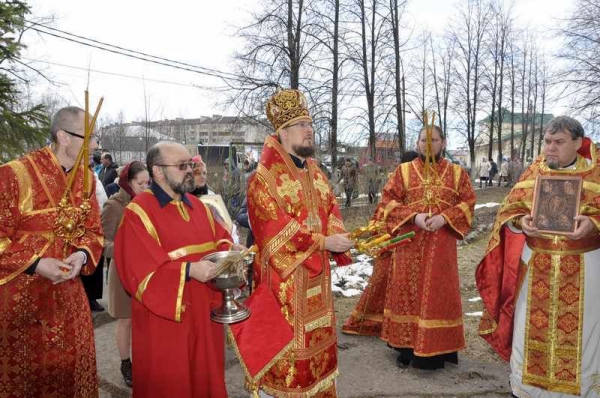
x=413, y=298
x=291, y=211
x=554, y=315
x=46, y=333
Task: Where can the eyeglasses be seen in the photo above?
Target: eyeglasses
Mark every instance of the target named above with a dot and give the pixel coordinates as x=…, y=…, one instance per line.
x=302, y=125
x=181, y=166
x=94, y=136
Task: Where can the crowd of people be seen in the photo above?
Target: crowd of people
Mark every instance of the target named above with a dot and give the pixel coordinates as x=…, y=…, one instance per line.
x=147, y=223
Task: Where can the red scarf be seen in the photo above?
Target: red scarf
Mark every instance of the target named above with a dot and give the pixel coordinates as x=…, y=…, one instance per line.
x=124, y=179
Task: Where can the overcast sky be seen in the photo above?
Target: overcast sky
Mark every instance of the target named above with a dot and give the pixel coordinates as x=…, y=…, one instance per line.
x=199, y=32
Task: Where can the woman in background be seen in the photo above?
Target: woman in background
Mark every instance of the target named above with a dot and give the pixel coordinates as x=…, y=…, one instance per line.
x=133, y=179
x=201, y=189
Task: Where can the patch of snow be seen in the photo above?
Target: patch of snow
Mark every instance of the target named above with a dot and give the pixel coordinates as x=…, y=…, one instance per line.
x=351, y=292
x=489, y=204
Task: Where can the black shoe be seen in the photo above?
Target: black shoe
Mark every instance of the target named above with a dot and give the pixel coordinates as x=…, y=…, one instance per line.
x=127, y=372
x=402, y=362
x=95, y=306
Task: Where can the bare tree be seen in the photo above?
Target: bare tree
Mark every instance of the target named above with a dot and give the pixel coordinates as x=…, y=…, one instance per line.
x=468, y=33
x=581, y=74
x=396, y=9
x=277, y=47
x=365, y=54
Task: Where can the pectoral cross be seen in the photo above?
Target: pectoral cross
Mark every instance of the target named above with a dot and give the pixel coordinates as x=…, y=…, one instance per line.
x=313, y=222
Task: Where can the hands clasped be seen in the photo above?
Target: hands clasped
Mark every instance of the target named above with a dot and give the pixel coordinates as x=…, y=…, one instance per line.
x=429, y=224
x=60, y=271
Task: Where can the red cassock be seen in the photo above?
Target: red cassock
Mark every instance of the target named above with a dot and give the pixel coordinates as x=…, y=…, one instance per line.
x=177, y=350
x=46, y=333
x=291, y=211
x=413, y=298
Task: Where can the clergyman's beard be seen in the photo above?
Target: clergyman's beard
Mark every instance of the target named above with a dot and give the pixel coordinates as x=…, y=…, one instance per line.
x=183, y=187
x=304, y=151
x=552, y=165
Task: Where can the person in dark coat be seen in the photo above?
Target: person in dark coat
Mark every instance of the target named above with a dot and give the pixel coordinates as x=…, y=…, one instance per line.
x=108, y=172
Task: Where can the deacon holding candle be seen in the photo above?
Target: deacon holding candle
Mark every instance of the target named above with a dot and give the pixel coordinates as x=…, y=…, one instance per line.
x=50, y=232
x=413, y=298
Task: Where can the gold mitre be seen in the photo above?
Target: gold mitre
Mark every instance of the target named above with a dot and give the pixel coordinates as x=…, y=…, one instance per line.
x=285, y=107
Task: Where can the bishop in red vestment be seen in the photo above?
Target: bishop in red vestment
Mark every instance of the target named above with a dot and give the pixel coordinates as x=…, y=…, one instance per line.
x=177, y=351
x=46, y=333
x=297, y=224
x=413, y=298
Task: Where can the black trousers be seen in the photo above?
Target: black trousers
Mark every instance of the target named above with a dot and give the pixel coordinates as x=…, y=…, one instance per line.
x=349, y=193
x=94, y=283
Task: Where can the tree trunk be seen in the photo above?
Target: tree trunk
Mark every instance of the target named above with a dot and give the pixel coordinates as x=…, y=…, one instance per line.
x=334, y=86
x=397, y=78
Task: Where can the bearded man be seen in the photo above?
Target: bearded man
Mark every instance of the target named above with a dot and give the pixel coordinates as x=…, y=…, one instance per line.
x=540, y=290
x=297, y=225
x=165, y=231
x=413, y=298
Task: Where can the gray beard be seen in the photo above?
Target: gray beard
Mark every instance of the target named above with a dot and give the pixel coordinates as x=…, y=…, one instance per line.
x=183, y=187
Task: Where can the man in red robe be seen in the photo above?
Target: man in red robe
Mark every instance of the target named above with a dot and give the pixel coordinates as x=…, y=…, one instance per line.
x=177, y=350
x=418, y=311
x=297, y=224
x=46, y=333
x=539, y=288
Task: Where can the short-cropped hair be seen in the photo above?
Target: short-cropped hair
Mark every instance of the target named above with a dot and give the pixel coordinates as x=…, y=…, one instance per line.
x=565, y=123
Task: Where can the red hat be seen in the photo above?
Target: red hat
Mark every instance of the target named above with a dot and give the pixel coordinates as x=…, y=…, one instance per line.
x=198, y=159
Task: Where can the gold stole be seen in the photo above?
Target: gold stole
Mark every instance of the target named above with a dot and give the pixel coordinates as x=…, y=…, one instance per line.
x=554, y=324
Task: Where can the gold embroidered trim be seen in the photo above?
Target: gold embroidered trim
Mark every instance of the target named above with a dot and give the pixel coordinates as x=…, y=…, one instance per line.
x=27, y=264
x=591, y=186
x=423, y=323
x=464, y=206
x=136, y=209
x=270, y=183
x=42, y=180
x=369, y=317
x=404, y=221
x=313, y=291
x=211, y=220
x=279, y=240
x=4, y=243
x=297, y=393
x=404, y=170
x=192, y=249
x=318, y=323
x=256, y=380
x=25, y=191
x=178, y=306
x=457, y=173
x=300, y=259
x=524, y=184
x=92, y=259
x=142, y=287
x=183, y=212
x=307, y=353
